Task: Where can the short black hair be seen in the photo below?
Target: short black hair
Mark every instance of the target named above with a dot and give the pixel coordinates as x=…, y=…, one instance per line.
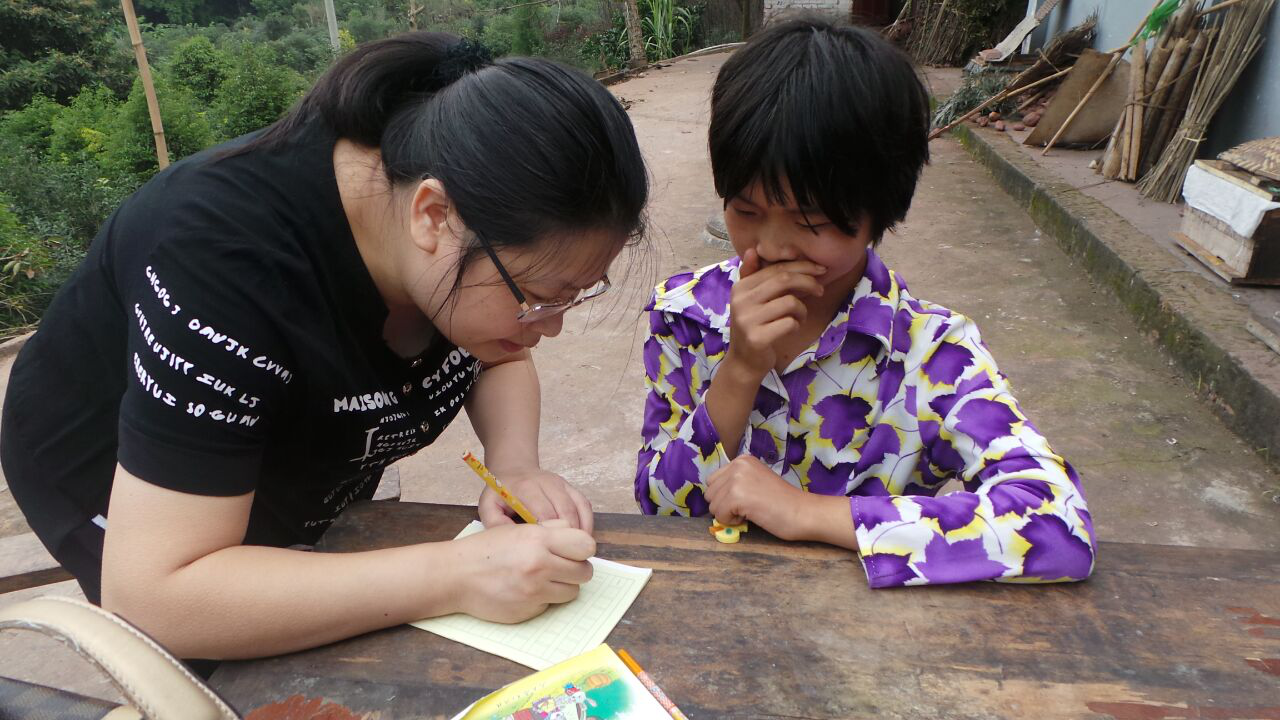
x=835, y=111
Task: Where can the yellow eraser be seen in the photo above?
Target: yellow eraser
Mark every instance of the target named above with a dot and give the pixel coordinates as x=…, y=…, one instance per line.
x=727, y=533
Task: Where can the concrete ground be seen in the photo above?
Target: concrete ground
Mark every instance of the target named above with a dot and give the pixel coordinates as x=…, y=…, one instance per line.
x=1157, y=464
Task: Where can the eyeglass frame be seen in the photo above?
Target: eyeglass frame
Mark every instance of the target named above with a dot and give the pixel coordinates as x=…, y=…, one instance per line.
x=551, y=308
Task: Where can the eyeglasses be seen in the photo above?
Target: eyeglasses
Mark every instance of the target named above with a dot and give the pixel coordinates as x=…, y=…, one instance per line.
x=533, y=313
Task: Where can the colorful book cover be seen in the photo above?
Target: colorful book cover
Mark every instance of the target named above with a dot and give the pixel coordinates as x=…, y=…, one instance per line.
x=595, y=685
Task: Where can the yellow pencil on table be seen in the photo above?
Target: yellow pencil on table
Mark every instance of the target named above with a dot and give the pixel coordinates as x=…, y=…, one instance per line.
x=651, y=686
x=511, y=500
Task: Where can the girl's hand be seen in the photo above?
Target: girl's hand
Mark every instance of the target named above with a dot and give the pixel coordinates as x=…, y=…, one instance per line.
x=513, y=572
x=547, y=495
x=746, y=489
x=764, y=307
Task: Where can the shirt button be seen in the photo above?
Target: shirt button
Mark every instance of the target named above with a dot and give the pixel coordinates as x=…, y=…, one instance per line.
x=416, y=362
x=408, y=388
x=425, y=426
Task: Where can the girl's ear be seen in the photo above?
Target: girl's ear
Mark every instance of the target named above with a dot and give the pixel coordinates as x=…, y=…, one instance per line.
x=429, y=216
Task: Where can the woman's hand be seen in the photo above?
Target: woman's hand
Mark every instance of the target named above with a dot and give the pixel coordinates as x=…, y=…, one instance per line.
x=515, y=571
x=547, y=495
x=746, y=489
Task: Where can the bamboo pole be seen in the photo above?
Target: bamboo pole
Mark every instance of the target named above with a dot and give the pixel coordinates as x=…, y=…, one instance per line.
x=1160, y=96
x=1111, y=159
x=1177, y=105
x=144, y=72
x=1028, y=103
x=1137, y=68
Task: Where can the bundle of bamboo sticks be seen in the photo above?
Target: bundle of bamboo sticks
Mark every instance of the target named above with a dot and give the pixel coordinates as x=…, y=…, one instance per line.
x=1235, y=37
x=1160, y=84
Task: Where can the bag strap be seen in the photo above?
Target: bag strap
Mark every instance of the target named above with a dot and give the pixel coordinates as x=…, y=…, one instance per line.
x=156, y=683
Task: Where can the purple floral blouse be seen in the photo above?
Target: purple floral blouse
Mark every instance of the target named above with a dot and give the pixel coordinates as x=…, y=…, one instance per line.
x=896, y=397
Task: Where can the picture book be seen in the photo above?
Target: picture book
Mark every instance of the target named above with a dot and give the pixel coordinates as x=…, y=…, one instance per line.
x=595, y=685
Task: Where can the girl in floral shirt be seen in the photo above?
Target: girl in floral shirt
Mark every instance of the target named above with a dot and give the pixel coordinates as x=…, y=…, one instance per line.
x=799, y=385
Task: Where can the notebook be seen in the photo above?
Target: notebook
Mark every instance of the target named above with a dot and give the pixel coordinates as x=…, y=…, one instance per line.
x=563, y=631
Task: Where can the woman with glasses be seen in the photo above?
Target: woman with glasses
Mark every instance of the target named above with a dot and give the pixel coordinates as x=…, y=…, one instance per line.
x=263, y=327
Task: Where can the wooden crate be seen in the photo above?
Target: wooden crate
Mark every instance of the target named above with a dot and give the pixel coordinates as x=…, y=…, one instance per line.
x=1237, y=259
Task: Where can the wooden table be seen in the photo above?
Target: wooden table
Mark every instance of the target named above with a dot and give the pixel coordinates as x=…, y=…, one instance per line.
x=766, y=629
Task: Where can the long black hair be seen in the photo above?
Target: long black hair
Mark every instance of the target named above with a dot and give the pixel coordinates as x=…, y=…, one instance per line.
x=526, y=148
x=835, y=111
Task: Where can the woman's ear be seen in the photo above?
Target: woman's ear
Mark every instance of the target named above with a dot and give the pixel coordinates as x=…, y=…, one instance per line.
x=429, y=216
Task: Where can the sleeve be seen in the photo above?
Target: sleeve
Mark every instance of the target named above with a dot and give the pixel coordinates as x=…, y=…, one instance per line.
x=1022, y=515
x=208, y=371
x=681, y=446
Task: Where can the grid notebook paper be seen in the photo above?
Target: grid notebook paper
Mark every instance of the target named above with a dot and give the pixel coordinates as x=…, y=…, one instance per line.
x=563, y=631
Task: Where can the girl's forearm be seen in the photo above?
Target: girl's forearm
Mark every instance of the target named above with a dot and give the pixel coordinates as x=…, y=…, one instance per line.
x=729, y=400
x=251, y=601
x=826, y=519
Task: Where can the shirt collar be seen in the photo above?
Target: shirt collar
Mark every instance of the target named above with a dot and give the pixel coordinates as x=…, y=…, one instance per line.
x=703, y=297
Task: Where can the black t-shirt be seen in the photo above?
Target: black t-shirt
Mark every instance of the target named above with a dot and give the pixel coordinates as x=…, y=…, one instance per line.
x=223, y=336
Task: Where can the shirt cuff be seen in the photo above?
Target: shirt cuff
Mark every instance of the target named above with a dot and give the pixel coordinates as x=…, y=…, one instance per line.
x=883, y=569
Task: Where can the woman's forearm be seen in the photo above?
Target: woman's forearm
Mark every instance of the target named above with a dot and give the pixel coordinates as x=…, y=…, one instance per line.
x=505, y=411
x=251, y=601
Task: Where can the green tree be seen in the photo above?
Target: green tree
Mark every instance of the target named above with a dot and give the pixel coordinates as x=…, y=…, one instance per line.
x=256, y=93
x=24, y=262
x=54, y=47
x=31, y=126
x=199, y=67
x=130, y=146
x=80, y=130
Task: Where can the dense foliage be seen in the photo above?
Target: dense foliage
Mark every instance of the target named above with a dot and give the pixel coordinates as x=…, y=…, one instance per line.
x=75, y=130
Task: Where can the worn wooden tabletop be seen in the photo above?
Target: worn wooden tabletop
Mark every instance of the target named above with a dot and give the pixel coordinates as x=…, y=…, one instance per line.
x=766, y=629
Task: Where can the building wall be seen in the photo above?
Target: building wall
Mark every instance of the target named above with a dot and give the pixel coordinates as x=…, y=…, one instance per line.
x=1251, y=111
x=836, y=8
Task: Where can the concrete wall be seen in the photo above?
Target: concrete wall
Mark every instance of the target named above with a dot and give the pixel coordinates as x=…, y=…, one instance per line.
x=835, y=8
x=1251, y=111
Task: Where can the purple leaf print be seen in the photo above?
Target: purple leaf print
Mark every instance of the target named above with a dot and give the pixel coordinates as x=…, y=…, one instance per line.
x=842, y=416
x=1019, y=496
x=882, y=443
x=985, y=420
x=797, y=384
x=890, y=382
x=981, y=381
x=705, y=437
x=939, y=451
x=870, y=315
x=687, y=334
x=1055, y=553
x=697, y=503
x=858, y=345
x=768, y=402
x=878, y=274
x=796, y=449
x=653, y=358
x=902, y=330
x=1016, y=460
x=763, y=446
x=888, y=570
x=712, y=290
x=676, y=466
x=679, y=380
x=947, y=363
x=713, y=343
x=952, y=512
x=825, y=480
x=656, y=412
x=869, y=512
x=961, y=561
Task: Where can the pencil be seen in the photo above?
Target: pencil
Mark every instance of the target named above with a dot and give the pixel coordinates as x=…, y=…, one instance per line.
x=511, y=500
x=651, y=686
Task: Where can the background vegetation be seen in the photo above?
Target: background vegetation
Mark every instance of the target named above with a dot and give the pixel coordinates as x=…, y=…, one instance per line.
x=75, y=134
